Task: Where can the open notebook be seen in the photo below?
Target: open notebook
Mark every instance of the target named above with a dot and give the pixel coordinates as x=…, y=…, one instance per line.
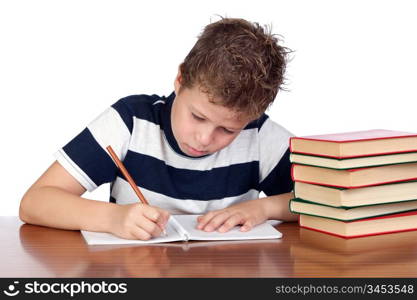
x=183, y=228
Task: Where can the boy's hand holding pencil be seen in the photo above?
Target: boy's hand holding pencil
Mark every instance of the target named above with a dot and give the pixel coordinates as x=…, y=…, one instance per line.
x=138, y=220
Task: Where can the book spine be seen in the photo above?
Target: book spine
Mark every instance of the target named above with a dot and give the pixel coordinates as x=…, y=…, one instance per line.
x=358, y=236
x=179, y=228
x=291, y=138
x=290, y=206
x=341, y=157
x=356, y=186
x=292, y=172
x=355, y=140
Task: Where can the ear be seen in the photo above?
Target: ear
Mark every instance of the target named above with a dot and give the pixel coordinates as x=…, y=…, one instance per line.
x=177, y=82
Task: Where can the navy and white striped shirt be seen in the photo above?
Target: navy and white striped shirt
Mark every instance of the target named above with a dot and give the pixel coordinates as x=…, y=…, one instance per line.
x=139, y=130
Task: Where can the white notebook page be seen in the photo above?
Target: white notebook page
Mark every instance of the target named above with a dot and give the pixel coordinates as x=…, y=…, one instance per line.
x=189, y=223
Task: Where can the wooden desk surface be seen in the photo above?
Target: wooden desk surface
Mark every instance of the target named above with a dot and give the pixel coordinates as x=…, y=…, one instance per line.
x=35, y=251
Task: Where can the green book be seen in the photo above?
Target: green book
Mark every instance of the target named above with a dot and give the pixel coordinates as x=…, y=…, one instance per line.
x=304, y=207
x=353, y=163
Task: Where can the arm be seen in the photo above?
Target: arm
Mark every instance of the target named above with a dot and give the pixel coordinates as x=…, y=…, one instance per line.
x=54, y=200
x=248, y=214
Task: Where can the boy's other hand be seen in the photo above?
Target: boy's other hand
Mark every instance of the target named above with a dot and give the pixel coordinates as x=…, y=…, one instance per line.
x=248, y=214
x=138, y=221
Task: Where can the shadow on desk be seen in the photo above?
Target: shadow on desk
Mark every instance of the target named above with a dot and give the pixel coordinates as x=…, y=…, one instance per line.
x=65, y=254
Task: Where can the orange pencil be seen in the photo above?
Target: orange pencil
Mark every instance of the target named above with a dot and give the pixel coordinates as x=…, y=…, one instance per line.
x=127, y=175
x=129, y=178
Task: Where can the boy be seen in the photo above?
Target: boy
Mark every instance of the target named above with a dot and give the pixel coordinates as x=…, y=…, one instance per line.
x=208, y=148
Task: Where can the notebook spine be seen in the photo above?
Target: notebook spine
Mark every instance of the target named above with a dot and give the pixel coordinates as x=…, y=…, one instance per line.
x=179, y=228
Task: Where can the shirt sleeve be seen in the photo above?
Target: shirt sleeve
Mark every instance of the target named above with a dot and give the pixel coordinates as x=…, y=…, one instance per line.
x=274, y=162
x=85, y=157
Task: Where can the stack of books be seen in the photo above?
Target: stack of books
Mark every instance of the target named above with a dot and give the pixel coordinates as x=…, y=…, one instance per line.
x=355, y=184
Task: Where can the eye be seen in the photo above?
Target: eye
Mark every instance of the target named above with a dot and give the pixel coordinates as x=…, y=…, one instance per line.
x=197, y=117
x=228, y=131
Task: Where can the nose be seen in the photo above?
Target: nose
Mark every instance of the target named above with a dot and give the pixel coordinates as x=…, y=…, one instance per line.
x=205, y=136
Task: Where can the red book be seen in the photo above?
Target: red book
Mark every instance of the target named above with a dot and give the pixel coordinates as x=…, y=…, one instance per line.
x=365, y=227
x=355, y=144
x=354, y=178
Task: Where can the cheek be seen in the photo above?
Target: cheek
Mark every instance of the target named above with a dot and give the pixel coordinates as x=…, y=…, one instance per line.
x=185, y=128
x=223, y=141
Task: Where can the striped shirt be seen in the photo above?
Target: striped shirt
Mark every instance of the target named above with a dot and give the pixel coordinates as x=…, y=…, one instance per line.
x=139, y=130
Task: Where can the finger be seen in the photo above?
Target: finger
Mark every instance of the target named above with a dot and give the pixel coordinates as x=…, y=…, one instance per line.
x=152, y=213
x=149, y=226
x=163, y=217
x=231, y=222
x=216, y=221
x=204, y=219
x=157, y=216
x=247, y=225
x=140, y=234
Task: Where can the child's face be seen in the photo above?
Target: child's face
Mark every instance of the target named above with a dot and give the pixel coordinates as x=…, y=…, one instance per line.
x=199, y=126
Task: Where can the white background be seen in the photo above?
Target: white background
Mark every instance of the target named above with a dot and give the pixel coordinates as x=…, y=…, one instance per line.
x=63, y=62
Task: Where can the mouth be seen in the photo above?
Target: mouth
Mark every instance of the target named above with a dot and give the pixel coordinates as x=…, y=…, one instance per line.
x=194, y=151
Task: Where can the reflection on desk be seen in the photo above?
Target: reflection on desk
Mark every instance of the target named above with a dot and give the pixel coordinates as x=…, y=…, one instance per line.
x=323, y=255
x=54, y=248
x=36, y=251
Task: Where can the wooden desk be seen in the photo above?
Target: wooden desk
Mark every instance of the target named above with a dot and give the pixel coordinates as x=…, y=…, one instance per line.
x=35, y=251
